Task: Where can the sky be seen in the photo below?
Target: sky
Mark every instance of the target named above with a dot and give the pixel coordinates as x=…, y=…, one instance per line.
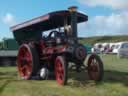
x=106, y=17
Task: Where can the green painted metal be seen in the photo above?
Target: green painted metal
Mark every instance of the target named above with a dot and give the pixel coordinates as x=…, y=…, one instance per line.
x=29, y=35
x=1, y=45
x=88, y=48
x=8, y=44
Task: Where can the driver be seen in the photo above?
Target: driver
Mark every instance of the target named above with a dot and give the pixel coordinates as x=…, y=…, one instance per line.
x=68, y=31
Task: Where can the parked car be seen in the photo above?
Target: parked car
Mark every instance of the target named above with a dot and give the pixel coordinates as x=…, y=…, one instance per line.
x=117, y=47
x=105, y=48
x=96, y=48
x=111, y=47
x=123, y=50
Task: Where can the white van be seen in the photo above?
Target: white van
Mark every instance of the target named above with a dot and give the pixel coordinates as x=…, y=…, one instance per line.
x=105, y=48
x=96, y=48
x=123, y=50
x=116, y=47
x=111, y=47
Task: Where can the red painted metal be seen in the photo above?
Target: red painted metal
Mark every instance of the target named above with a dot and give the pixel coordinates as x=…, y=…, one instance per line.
x=59, y=71
x=93, y=68
x=24, y=61
x=53, y=50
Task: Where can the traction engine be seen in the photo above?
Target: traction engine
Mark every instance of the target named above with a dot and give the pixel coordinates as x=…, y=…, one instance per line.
x=43, y=57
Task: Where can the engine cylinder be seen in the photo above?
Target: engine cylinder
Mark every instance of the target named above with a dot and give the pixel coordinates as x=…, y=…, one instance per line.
x=77, y=52
x=80, y=53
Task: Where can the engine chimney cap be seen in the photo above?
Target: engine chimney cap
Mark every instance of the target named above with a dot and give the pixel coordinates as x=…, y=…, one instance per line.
x=73, y=8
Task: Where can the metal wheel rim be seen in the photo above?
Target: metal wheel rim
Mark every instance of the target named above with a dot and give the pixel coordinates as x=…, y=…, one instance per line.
x=93, y=68
x=24, y=62
x=59, y=71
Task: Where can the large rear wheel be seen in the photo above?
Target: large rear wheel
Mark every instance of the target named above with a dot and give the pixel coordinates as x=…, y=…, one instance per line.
x=27, y=61
x=95, y=68
x=61, y=70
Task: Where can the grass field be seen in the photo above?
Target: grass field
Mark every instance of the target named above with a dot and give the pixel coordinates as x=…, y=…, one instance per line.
x=115, y=82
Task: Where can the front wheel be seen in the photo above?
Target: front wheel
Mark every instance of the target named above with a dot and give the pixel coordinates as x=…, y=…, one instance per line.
x=95, y=67
x=61, y=70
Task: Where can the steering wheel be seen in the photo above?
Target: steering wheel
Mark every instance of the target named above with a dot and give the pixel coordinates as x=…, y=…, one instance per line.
x=52, y=32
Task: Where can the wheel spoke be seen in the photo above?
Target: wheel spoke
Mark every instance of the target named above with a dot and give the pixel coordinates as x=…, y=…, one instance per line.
x=59, y=69
x=94, y=67
x=24, y=62
x=29, y=60
x=23, y=68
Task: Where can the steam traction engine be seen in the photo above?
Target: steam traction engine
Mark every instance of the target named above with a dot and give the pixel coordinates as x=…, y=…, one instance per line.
x=40, y=55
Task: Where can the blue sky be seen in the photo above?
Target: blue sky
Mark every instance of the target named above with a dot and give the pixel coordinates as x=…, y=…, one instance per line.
x=102, y=14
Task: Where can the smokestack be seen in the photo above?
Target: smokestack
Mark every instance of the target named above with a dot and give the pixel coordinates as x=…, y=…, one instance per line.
x=73, y=12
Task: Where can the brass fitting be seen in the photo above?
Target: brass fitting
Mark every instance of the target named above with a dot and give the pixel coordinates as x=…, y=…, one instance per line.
x=72, y=9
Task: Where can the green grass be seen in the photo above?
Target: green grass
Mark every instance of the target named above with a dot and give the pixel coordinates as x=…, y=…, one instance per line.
x=115, y=82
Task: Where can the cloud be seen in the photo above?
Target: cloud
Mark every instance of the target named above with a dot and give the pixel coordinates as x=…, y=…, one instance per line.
x=9, y=19
x=115, y=24
x=114, y=4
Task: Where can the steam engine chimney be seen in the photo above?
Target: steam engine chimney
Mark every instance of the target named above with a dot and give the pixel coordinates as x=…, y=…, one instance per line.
x=73, y=12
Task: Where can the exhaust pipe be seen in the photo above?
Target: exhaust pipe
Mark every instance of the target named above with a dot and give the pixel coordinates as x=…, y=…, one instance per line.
x=73, y=12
